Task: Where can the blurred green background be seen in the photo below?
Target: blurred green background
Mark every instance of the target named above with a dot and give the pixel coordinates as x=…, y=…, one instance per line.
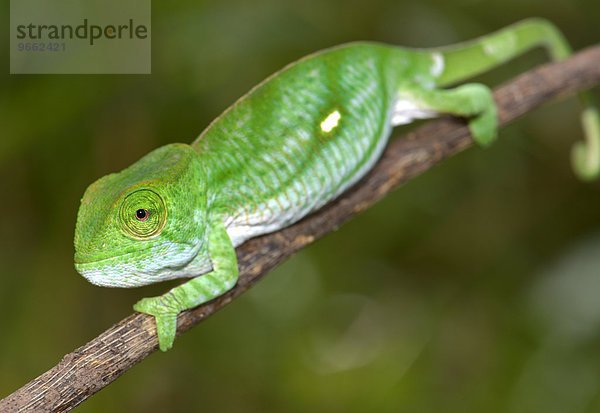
x=474, y=288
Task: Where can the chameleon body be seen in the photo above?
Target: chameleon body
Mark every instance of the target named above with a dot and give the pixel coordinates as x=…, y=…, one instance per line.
x=293, y=143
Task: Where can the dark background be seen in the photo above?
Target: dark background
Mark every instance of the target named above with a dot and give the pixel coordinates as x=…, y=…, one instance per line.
x=471, y=289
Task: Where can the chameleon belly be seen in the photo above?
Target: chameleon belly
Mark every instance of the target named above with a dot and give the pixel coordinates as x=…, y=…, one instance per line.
x=329, y=119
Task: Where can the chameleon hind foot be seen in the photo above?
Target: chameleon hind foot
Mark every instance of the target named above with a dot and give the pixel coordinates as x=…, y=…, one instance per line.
x=473, y=101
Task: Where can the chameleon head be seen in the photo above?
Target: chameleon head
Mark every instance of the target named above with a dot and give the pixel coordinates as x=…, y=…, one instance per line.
x=144, y=224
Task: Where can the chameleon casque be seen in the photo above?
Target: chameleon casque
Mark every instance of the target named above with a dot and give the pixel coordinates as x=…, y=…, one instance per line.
x=287, y=147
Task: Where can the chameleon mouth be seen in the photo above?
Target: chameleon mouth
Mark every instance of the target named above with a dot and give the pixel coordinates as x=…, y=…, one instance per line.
x=83, y=261
x=109, y=272
x=100, y=260
x=112, y=274
x=133, y=269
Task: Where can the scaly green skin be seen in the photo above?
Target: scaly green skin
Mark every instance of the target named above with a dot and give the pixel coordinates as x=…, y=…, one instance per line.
x=289, y=146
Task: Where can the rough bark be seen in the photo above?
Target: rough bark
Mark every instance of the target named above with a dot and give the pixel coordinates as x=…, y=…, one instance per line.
x=93, y=366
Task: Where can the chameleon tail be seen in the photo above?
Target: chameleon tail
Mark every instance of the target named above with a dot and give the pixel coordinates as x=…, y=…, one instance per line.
x=488, y=51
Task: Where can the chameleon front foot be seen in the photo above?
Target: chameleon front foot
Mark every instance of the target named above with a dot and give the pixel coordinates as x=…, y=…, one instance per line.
x=166, y=319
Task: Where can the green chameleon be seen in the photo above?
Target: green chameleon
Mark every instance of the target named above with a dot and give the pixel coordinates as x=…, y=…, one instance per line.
x=286, y=148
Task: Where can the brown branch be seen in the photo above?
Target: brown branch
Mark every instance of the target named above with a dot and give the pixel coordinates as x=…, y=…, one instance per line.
x=88, y=369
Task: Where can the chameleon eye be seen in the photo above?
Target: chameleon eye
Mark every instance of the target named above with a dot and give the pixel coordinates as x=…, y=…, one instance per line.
x=143, y=214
